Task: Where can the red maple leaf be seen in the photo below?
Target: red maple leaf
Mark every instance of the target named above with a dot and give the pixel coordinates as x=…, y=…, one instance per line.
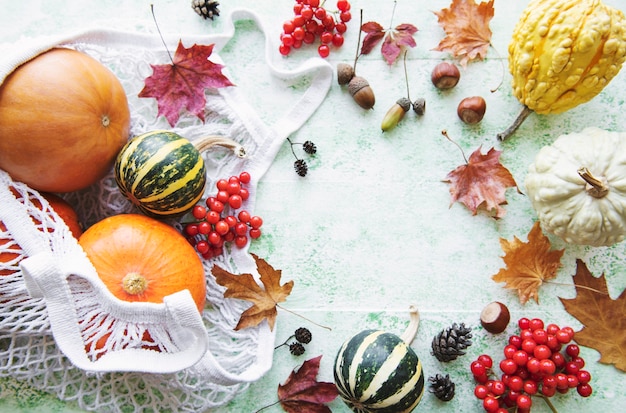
x=180, y=85
x=394, y=39
x=302, y=393
x=481, y=182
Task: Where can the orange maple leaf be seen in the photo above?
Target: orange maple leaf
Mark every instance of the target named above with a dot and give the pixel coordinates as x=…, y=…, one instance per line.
x=528, y=264
x=481, y=182
x=602, y=317
x=466, y=24
x=244, y=287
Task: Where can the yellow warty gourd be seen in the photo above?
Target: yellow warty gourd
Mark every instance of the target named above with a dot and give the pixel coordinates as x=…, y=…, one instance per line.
x=563, y=53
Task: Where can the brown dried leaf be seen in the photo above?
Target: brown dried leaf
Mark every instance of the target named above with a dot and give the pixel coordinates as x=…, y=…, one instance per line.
x=481, y=183
x=603, y=318
x=302, y=393
x=244, y=287
x=528, y=264
x=467, y=29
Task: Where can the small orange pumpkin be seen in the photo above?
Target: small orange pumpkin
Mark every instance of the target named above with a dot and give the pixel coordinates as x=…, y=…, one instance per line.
x=63, y=119
x=63, y=209
x=141, y=259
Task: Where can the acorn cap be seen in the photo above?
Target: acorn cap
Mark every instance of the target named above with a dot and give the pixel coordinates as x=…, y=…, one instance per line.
x=345, y=73
x=357, y=83
x=404, y=103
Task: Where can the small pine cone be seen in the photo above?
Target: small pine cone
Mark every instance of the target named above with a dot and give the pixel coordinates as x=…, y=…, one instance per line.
x=206, y=8
x=301, y=167
x=442, y=387
x=303, y=335
x=450, y=343
x=296, y=348
x=309, y=147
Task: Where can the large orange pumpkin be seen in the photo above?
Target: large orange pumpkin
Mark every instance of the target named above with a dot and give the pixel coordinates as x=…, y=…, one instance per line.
x=62, y=208
x=63, y=118
x=141, y=259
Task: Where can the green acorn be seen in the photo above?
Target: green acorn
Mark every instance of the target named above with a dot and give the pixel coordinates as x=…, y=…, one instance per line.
x=395, y=114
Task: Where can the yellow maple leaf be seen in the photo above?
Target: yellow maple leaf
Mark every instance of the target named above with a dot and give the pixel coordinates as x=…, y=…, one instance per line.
x=528, y=264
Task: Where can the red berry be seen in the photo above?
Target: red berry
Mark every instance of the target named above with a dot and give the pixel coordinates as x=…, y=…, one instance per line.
x=558, y=359
x=498, y=388
x=552, y=328
x=191, y=230
x=516, y=383
x=235, y=201
x=307, y=13
x=244, y=194
x=341, y=27
x=561, y=381
x=549, y=381
x=202, y=247
x=222, y=196
x=217, y=206
x=579, y=361
x=535, y=324
x=530, y=387
x=584, y=390
x=481, y=391
x=337, y=40
x=563, y=336
x=542, y=352
x=491, y=404
x=198, y=212
x=529, y=345
x=204, y=228
x=298, y=33
x=553, y=343
x=345, y=16
x=309, y=37
x=299, y=21
x=548, y=391
x=212, y=217
x=508, y=366
x=520, y=357
x=569, y=331
x=516, y=341
x=222, y=227
x=486, y=360
x=326, y=37
x=477, y=368
x=509, y=350
x=297, y=8
x=229, y=236
x=284, y=50
x=540, y=336
x=524, y=401
x=320, y=13
x=287, y=40
x=523, y=323
x=571, y=368
x=572, y=350
x=314, y=3
x=255, y=233
x=241, y=241
x=241, y=229
x=244, y=177
x=481, y=379
x=572, y=381
x=214, y=238
x=231, y=221
x=323, y=50
x=256, y=222
x=526, y=334
x=583, y=376
x=533, y=365
x=343, y=5
x=546, y=366
x=288, y=27
x=244, y=216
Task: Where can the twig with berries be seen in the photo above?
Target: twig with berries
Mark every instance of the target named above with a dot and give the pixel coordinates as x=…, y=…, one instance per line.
x=300, y=165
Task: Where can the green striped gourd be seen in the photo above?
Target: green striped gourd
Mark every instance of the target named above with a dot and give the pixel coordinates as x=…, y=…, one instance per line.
x=377, y=371
x=163, y=174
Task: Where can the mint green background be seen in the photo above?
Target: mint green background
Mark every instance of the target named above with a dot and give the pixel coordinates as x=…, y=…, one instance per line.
x=371, y=230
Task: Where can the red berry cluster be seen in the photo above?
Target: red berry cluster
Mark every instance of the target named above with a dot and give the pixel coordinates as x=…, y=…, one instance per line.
x=217, y=224
x=311, y=20
x=533, y=364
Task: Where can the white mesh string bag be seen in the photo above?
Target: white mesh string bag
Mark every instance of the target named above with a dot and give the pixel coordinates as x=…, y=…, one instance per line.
x=51, y=300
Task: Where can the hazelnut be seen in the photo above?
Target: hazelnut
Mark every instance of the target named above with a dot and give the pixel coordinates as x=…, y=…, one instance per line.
x=472, y=109
x=495, y=317
x=362, y=93
x=345, y=73
x=445, y=75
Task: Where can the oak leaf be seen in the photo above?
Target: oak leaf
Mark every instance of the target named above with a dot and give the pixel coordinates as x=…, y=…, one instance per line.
x=264, y=300
x=528, y=264
x=302, y=393
x=603, y=319
x=481, y=182
x=181, y=84
x=466, y=24
x=394, y=39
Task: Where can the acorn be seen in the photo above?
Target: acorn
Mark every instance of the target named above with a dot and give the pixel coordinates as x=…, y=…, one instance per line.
x=362, y=93
x=345, y=73
x=395, y=114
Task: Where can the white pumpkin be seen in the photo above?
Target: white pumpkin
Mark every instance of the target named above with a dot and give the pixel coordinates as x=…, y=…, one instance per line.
x=577, y=186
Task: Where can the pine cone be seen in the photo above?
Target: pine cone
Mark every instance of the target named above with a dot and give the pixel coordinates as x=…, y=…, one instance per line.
x=301, y=167
x=206, y=8
x=296, y=348
x=309, y=147
x=442, y=387
x=450, y=343
x=303, y=335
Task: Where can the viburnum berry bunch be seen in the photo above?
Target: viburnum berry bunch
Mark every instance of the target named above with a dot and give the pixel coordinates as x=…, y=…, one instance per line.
x=222, y=220
x=534, y=365
x=312, y=21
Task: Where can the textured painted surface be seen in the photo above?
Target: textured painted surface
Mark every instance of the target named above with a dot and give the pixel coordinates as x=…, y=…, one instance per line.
x=370, y=230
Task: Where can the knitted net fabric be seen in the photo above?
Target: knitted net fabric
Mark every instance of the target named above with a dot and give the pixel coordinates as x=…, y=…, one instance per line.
x=28, y=350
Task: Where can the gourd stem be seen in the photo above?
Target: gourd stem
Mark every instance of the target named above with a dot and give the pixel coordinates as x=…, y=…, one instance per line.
x=516, y=124
x=206, y=142
x=134, y=283
x=595, y=187
x=411, y=330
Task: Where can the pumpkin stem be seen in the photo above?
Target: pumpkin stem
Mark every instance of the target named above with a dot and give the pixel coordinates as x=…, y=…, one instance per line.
x=595, y=187
x=206, y=142
x=516, y=123
x=411, y=330
x=134, y=283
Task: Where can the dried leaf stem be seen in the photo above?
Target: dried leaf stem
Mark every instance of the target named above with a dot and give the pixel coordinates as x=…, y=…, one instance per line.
x=445, y=133
x=358, y=42
x=584, y=287
x=303, y=317
x=159, y=30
